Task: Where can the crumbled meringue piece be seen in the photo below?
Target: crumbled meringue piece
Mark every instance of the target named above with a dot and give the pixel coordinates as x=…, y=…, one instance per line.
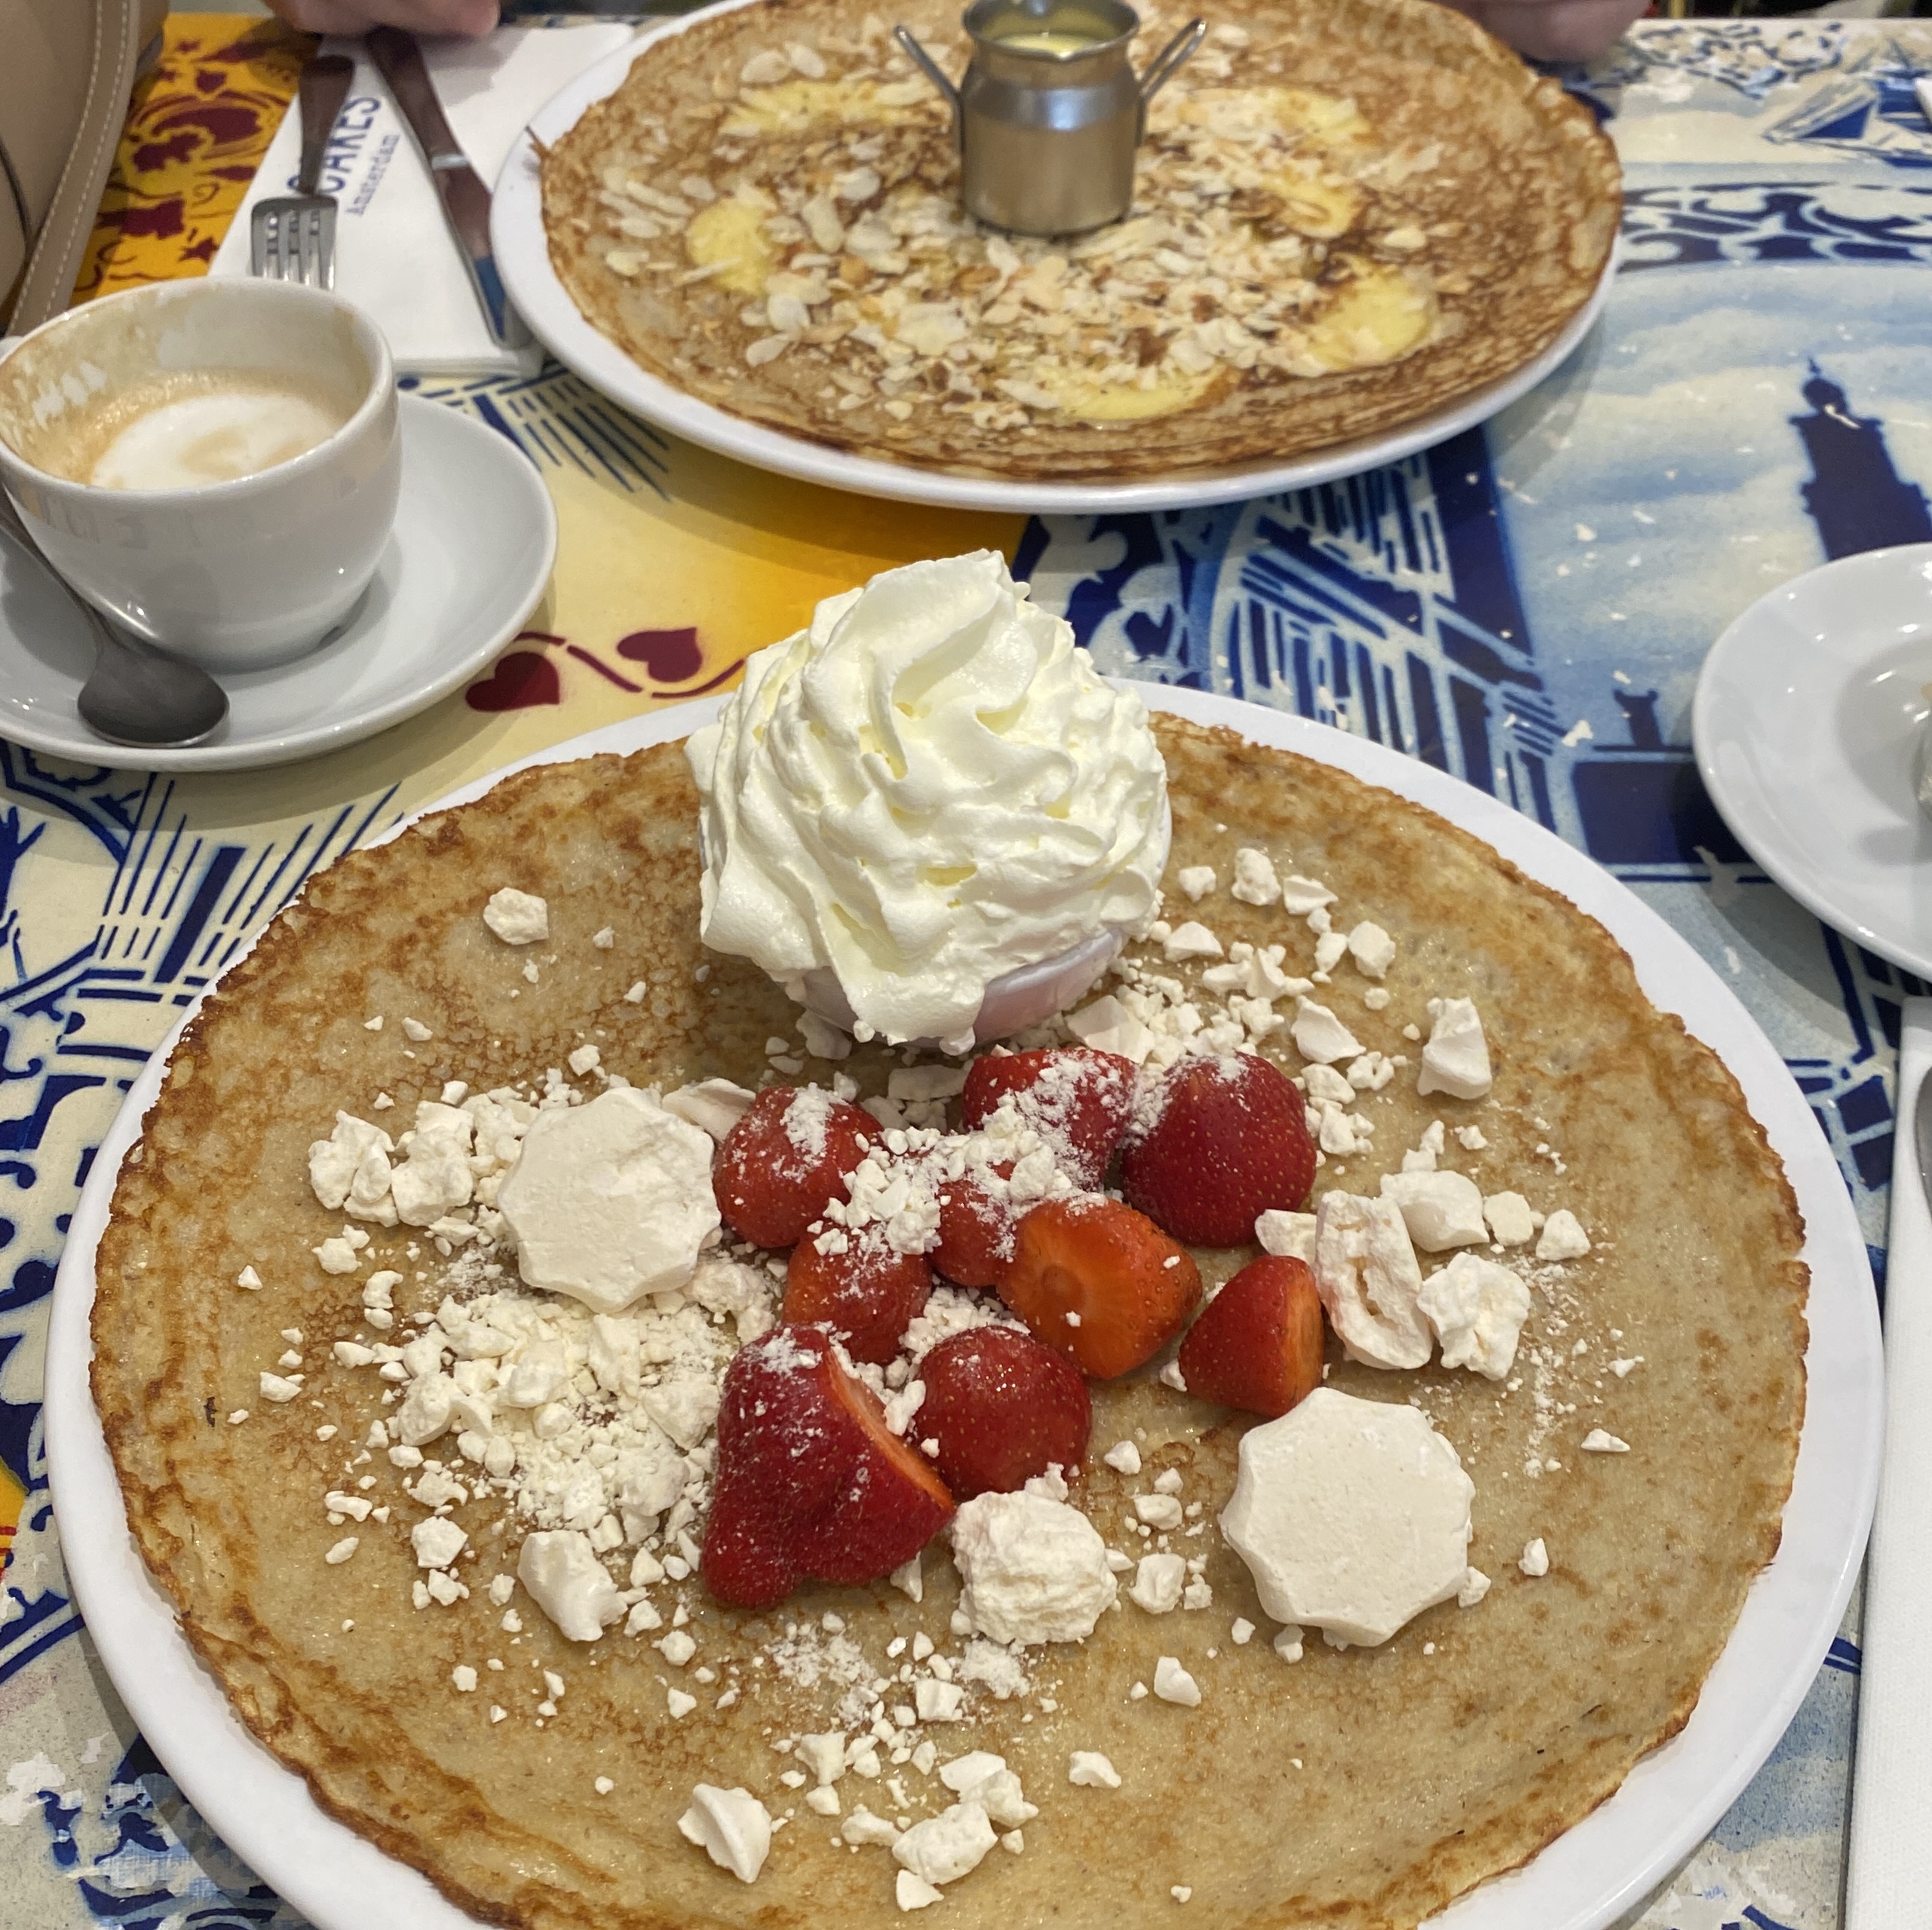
x=1366, y=1273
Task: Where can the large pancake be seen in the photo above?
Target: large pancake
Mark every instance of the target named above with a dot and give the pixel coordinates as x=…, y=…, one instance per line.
x=1357, y=1787
x=1482, y=195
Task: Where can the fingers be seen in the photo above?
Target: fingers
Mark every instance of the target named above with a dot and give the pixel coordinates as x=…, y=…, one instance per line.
x=1554, y=29
x=472, y=17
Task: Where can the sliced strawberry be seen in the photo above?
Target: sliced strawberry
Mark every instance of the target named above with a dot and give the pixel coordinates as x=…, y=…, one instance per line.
x=1100, y=1282
x=893, y=1501
x=785, y=1160
x=809, y=1483
x=864, y=1290
x=976, y=1231
x=1224, y=1140
x=1077, y=1099
x=1258, y=1343
x=1003, y=1409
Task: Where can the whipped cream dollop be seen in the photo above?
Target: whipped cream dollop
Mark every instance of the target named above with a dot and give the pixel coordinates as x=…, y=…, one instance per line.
x=929, y=788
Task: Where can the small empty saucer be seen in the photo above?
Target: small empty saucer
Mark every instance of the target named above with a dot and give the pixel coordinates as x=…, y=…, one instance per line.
x=1810, y=711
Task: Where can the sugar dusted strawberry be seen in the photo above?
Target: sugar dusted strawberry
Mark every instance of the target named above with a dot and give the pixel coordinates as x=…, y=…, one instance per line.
x=1221, y=1141
x=893, y=1502
x=785, y=1160
x=859, y=1286
x=1258, y=1343
x=975, y=1230
x=809, y=1483
x=1100, y=1282
x=750, y=1558
x=1002, y=1408
x=1077, y=1099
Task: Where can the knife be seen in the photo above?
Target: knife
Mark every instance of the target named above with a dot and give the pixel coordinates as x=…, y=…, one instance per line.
x=465, y=200
x=1888, y=1855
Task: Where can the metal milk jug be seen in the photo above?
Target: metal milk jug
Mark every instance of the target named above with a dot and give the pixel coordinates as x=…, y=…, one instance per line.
x=1050, y=111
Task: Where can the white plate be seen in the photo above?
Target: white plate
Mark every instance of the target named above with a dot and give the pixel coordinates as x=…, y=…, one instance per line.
x=474, y=539
x=1598, y=1870
x=1807, y=712
x=523, y=258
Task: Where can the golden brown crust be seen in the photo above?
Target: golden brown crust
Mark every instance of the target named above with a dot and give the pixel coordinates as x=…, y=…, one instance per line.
x=1520, y=212
x=1422, y=1774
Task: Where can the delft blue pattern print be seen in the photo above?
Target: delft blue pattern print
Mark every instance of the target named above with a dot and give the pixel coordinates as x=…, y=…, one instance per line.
x=1865, y=110
x=1675, y=225
x=1495, y=606
x=149, y=1863
x=1754, y=59
x=558, y=423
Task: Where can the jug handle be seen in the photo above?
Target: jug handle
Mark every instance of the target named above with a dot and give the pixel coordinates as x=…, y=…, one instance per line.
x=1168, y=62
x=930, y=68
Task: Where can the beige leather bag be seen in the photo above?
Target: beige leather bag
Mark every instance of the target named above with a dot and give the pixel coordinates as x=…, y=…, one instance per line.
x=66, y=69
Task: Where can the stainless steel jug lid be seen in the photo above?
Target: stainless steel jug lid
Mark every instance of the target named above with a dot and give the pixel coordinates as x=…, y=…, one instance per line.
x=1055, y=31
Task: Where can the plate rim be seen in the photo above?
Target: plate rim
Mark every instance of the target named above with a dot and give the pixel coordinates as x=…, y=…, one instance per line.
x=523, y=258
x=1606, y=1862
x=290, y=746
x=1709, y=733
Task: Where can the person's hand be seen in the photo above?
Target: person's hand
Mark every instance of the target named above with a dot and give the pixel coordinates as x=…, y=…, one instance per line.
x=463, y=17
x=1554, y=29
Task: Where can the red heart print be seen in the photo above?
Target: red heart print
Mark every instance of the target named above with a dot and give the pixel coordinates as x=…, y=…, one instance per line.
x=668, y=657
x=522, y=680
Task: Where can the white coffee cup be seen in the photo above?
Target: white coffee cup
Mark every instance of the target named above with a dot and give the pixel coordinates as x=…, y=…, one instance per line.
x=237, y=574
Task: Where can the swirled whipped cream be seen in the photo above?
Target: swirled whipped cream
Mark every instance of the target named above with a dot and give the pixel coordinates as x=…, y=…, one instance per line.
x=928, y=788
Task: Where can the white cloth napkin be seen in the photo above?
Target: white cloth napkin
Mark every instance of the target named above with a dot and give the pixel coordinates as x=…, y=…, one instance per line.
x=395, y=257
x=1888, y=1872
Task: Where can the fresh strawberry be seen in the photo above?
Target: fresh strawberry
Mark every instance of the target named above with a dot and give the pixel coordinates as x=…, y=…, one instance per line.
x=864, y=1290
x=1077, y=1099
x=976, y=1231
x=809, y=1483
x=1224, y=1140
x=785, y=1160
x=893, y=1501
x=1002, y=1408
x=1258, y=1343
x=1100, y=1282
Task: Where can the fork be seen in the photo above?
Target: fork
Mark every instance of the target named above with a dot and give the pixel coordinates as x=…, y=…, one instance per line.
x=293, y=237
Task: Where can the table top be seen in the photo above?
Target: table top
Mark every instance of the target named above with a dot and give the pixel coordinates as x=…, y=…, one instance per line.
x=1526, y=607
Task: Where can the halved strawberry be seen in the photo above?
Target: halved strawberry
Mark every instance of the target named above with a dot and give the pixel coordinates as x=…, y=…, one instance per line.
x=810, y=1482
x=785, y=1160
x=976, y=1231
x=893, y=1501
x=1076, y=1098
x=1100, y=1282
x=1258, y=1343
x=864, y=1290
x=1003, y=1409
x=1224, y=1140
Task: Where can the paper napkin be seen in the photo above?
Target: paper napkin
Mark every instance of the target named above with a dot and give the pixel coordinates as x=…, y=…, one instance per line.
x=394, y=256
x=1888, y=1869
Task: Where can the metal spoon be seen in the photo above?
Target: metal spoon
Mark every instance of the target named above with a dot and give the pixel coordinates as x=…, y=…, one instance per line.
x=134, y=694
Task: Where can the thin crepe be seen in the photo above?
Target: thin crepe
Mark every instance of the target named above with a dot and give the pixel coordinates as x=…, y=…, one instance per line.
x=1358, y=1788
x=1513, y=222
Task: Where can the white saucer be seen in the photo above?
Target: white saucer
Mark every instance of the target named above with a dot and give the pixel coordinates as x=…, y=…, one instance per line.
x=1808, y=712
x=474, y=539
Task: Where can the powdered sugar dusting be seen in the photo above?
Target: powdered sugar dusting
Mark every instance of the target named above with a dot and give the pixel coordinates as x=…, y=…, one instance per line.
x=807, y=1120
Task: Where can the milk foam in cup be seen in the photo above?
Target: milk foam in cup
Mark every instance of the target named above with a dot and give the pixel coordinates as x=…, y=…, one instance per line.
x=185, y=431
x=926, y=815
x=216, y=464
